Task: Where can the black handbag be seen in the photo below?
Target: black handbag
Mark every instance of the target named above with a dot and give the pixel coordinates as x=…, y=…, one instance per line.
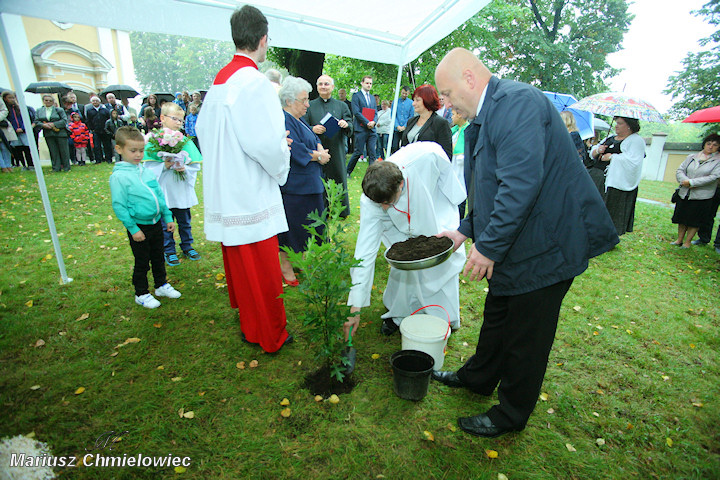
x=675, y=196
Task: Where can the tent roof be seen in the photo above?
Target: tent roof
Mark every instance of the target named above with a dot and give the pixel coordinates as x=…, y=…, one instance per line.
x=394, y=32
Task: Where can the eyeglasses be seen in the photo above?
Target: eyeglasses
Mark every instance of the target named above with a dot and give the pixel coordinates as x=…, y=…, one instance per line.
x=302, y=100
x=324, y=84
x=177, y=119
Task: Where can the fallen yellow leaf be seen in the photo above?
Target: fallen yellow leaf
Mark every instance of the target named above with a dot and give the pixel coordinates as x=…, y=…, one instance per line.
x=219, y=276
x=286, y=412
x=600, y=441
x=84, y=316
x=114, y=354
x=318, y=398
x=157, y=325
x=180, y=469
x=240, y=365
x=201, y=394
x=189, y=414
x=160, y=367
x=29, y=303
x=551, y=411
x=35, y=387
x=47, y=257
x=132, y=340
x=181, y=412
x=669, y=442
x=697, y=404
x=544, y=397
x=375, y=356
x=285, y=402
x=577, y=308
x=491, y=453
x=502, y=476
x=39, y=343
x=79, y=390
x=334, y=399
x=253, y=364
x=570, y=448
x=176, y=379
x=429, y=436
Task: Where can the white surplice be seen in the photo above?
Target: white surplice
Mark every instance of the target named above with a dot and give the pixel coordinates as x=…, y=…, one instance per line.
x=241, y=129
x=178, y=193
x=431, y=195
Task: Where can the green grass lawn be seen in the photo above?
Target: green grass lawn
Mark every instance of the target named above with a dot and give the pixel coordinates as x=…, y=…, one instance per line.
x=635, y=363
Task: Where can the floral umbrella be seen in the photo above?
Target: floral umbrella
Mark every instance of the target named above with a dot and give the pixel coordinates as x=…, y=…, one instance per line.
x=706, y=115
x=616, y=104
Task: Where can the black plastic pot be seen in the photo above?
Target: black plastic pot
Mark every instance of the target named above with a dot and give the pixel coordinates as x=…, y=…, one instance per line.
x=411, y=373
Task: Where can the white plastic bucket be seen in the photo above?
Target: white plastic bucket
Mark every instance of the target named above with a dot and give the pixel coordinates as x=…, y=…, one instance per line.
x=426, y=333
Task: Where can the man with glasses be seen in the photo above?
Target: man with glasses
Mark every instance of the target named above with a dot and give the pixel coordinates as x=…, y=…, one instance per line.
x=414, y=192
x=334, y=140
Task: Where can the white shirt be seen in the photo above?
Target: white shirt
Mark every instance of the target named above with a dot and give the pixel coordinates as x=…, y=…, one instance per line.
x=625, y=169
x=241, y=129
x=434, y=194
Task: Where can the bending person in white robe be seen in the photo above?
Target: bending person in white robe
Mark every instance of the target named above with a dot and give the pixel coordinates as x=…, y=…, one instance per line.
x=426, y=203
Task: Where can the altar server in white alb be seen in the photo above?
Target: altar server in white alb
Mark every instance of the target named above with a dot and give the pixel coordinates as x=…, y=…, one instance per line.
x=241, y=129
x=414, y=192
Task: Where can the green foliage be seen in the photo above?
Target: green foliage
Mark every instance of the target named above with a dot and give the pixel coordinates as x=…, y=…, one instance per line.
x=556, y=45
x=326, y=264
x=677, y=132
x=172, y=63
x=697, y=86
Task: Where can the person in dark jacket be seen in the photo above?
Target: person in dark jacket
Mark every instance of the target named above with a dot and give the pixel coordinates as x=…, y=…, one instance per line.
x=96, y=116
x=535, y=219
x=427, y=126
x=111, y=127
x=53, y=122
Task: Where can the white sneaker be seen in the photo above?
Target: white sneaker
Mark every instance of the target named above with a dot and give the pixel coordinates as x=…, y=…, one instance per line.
x=167, y=291
x=147, y=301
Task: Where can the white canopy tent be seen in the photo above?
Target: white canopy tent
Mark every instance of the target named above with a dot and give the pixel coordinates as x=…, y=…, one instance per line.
x=376, y=30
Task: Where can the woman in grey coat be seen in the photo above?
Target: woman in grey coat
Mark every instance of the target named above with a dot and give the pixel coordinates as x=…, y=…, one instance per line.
x=698, y=178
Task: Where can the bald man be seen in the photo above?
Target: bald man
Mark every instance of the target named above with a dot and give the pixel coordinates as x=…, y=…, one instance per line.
x=318, y=109
x=535, y=219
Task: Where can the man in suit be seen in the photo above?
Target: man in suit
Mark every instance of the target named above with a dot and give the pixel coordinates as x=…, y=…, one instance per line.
x=321, y=106
x=445, y=111
x=97, y=115
x=342, y=96
x=365, y=136
x=534, y=219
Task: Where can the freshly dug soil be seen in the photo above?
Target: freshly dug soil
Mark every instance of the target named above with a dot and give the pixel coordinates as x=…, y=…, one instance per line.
x=320, y=382
x=418, y=248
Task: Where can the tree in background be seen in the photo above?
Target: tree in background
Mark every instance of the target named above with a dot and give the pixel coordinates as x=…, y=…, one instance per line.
x=556, y=45
x=172, y=63
x=698, y=87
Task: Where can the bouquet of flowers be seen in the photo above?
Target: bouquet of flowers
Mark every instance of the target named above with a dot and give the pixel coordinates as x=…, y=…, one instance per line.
x=168, y=145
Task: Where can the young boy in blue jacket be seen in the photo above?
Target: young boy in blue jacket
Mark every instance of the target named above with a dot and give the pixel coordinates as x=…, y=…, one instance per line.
x=139, y=204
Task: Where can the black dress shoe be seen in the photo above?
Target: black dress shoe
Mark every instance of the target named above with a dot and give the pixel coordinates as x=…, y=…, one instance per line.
x=289, y=340
x=448, y=378
x=482, y=426
x=388, y=327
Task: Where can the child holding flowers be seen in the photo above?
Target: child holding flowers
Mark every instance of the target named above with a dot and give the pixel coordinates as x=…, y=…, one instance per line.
x=175, y=161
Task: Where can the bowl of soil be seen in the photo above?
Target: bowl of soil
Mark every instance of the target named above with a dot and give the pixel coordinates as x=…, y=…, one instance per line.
x=418, y=253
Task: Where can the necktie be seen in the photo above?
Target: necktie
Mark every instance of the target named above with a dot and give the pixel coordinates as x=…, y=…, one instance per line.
x=471, y=135
x=367, y=99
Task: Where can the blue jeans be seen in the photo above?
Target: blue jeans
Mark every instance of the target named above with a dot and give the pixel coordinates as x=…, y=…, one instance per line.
x=382, y=144
x=182, y=217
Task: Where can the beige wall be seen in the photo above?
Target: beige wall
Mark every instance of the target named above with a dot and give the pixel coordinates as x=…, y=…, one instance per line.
x=673, y=162
x=39, y=30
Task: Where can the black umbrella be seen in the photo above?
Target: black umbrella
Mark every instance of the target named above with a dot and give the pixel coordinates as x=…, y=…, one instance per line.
x=121, y=91
x=48, y=87
x=168, y=97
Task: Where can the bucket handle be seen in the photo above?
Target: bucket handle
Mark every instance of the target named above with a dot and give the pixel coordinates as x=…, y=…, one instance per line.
x=446, y=313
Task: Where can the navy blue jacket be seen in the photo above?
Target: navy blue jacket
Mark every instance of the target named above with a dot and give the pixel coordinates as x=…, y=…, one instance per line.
x=358, y=103
x=305, y=175
x=536, y=211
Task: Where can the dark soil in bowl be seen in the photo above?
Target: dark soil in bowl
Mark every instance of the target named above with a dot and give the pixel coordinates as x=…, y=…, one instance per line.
x=418, y=248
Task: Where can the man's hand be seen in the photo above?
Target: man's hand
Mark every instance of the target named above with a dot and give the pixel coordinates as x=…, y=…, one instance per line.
x=454, y=235
x=139, y=236
x=371, y=124
x=352, y=322
x=318, y=129
x=400, y=129
x=170, y=226
x=342, y=123
x=478, y=266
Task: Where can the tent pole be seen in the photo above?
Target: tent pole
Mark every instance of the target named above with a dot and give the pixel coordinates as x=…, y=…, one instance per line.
x=34, y=152
x=393, y=113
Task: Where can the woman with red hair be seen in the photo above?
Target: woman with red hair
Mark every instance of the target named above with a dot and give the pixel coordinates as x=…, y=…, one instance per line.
x=427, y=126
